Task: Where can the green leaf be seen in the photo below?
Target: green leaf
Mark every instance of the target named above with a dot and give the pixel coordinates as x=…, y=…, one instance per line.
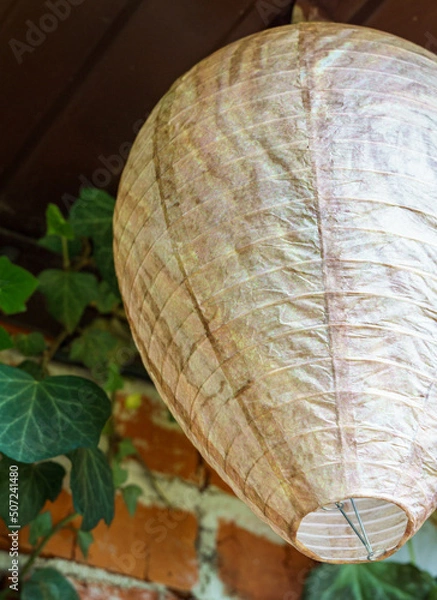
x=92, y=486
x=67, y=294
x=92, y=347
x=114, y=381
x=106, y=301
x=42, y=419
x=54, y=244
x=375, y=581
x=32, y=368
x=91, y=215
x=104, y=257
x=31, y=344
x=433, y=594
x=16, y=286
x=133, y=401
x=36, y=484
x=40, y=527
x=48, y=584
x=119, y=474
x=126, y=448
x=56, y=224
x=84, y=539
x=5, y=339
x=131, y=493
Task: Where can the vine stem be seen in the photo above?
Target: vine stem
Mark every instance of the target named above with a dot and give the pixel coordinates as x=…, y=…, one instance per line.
x=412, y=553
x=119, y=313
x=85, y=259
x=152, y=482
x=51, y=351
x=65, y=255
x=40, y=547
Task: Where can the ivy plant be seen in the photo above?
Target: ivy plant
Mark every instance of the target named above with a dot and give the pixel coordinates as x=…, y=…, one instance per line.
x=45, y=416
x=372, y=581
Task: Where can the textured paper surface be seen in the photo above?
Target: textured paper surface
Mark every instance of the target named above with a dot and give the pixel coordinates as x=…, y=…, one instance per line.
x=276, y=248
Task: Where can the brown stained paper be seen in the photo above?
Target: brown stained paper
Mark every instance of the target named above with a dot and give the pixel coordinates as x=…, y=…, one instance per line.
x=276, y=248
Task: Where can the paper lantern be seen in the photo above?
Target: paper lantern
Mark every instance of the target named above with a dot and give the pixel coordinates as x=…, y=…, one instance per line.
x=276, y=247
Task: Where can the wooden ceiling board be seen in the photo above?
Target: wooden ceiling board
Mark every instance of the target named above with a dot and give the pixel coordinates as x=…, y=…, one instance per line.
x=102, y=114
x=341, y=10
x=35, y=78
x=415, y=20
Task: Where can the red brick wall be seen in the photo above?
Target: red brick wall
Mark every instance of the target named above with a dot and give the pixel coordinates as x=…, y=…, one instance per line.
x=190, y=537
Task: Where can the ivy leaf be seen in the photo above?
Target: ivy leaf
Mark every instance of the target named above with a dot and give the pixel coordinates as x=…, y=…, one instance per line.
x=92, y=347
x=54, y=244
x=31, y=344
x=119, y=474
x=16, y=286
x=91, y=215
x=36, y=484
x=84, y=539
x=376, y=581
x=40, y=527
x=48, y=584
x=32, y=368
x=104, y=257
x=126, y=448
x=131, y=493
x=67, y=294
x=133, y=401
x=5, y=339
x=56, y=224
x=106, y=301
x=92, y=486
x=114, y=381
x=42, y=419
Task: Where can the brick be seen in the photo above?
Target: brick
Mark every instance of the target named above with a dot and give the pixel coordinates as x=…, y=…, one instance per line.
x=215, y=479
x=253, y=568
x=14, y=329
x=172, y=554
x=60, y=545
x=100, y=591
x=155, y=544
x=159, y=440
x=162, y=444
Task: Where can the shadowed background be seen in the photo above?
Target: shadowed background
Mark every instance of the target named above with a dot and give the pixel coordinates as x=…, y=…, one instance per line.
x=80, y=76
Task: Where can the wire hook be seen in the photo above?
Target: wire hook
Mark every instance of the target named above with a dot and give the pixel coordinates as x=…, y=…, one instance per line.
x=362, y=534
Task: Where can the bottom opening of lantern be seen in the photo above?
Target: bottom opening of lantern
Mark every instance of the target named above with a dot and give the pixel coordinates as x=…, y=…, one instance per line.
x=353, y=530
